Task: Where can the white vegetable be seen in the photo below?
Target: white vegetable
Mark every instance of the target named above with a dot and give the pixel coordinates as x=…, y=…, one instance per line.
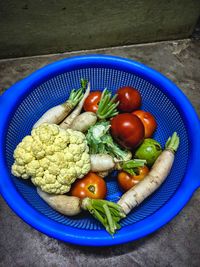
x=108, y=213
x=154, y=178
x=83, y=121
x=101, y=162
x=67, y=205
x=54, y=158
x=68, y=121
x=56, y=114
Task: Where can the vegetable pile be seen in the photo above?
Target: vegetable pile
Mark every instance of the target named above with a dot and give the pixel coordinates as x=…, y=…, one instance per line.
x=75, y=145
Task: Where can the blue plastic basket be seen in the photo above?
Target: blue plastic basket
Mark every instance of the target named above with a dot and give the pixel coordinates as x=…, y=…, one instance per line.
x=27, y=100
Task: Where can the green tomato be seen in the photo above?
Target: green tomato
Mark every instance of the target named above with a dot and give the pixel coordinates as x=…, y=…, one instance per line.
x=149, y=150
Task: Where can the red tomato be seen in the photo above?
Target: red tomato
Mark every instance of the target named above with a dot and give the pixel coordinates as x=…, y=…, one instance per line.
x=127, y=129
x=129, y=99
x=126, y=181
x=92, y=186
x=92, y=101
x=148, y=121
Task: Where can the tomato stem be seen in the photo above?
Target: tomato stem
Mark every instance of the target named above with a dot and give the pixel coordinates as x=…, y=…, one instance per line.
x=91, y=188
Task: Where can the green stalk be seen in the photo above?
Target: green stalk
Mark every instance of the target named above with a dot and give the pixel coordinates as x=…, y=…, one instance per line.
x=109, y=218
x=131, y=166
x=98, y=216
x=107, y=212
x=84, y=84
x=100, y=141
x=173, y=142
x=110, y=147
x=103, y=101
x=76, y=95
x=115, y=150
x=107, y=107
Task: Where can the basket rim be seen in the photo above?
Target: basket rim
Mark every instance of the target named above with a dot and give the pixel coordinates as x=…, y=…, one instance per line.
x=17, y=203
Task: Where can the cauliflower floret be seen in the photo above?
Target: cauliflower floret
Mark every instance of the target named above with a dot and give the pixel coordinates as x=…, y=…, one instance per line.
x=85, y=169
x=50, y=149
x=56, y=188
x=54, y=158
x=54, y=169
x=68, y=156
x=37, y=149
x=78, y=171
x=77, y=157
x=86, y=158
x=20, y=171
x=76, y=137
x=44, y=162
x=61, y=141
x=32, y=167
x=67, y=176
x=26, y=145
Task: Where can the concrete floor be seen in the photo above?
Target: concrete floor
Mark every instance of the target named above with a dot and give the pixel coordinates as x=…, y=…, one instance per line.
x=176, y=244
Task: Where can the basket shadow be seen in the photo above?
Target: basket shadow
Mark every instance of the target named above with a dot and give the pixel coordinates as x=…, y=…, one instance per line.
x=110, y=251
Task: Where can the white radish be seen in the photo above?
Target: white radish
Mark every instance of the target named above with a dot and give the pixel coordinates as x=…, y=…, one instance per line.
x=154, y=178
x=101, y=162
x=69, y=119
x=67, y=205
x=83, y=121
x=108, y=213
x=104, y=163
x=56, y=114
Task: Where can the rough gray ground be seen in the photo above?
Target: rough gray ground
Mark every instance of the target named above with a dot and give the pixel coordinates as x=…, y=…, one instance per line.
x=42, y=27
x=176, y=244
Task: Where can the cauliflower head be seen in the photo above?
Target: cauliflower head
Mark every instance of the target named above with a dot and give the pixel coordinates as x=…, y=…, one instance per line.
x=54, y=158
